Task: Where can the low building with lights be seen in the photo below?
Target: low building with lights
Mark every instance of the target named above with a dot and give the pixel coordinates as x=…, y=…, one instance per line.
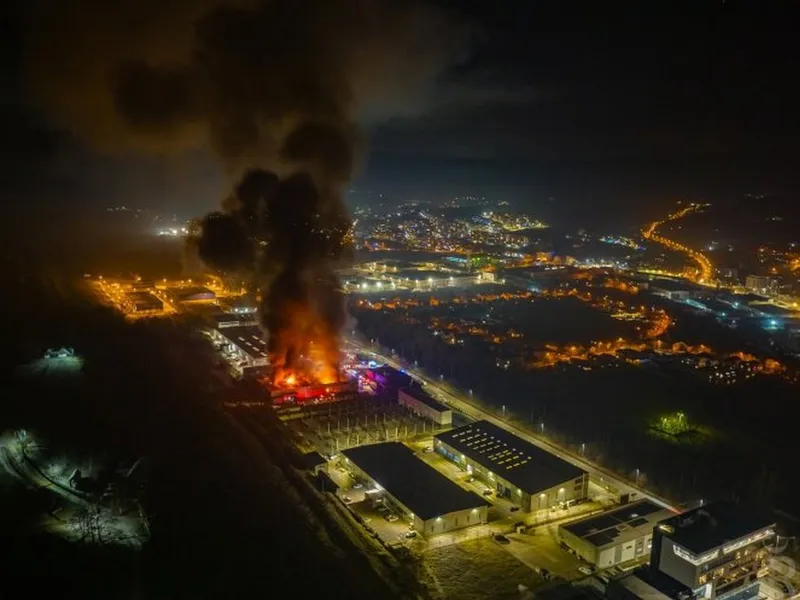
x=418, y=401
x=718, y=550
x=428, y=500
x=245, y=345
x=516, y=469
x=141, y=302
x=616, y=536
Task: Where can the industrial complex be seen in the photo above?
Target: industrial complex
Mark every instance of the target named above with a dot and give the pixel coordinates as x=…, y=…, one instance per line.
x=519, y=471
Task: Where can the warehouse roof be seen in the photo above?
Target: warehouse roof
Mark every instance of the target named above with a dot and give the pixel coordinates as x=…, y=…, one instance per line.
x=249, y=339
x=415, y=484
x=713, y=525
x=519, y=462
x=419, y=394
x=618, y=525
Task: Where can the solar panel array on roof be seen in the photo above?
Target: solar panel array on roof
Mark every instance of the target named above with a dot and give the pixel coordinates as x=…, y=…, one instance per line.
x=629, y=521
x=521, y=463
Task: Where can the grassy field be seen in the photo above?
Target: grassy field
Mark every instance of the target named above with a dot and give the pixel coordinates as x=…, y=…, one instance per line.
x=478, y=569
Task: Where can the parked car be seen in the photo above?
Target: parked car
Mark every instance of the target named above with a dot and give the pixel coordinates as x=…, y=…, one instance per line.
x=358, y=485
x=514, y=508
x=411, y=535
x=428, y=449
x=488, y=492
x=391, y=518
x=347, y=499
x=501, y=539
x=470, y=479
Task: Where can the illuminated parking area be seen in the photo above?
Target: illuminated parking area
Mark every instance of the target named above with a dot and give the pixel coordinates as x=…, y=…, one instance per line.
x=415, y=491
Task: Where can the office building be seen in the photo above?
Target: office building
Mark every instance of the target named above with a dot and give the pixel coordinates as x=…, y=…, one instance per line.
x=718, y=550
x=519, y=471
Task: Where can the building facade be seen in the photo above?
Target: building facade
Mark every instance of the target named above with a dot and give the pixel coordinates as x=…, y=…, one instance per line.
x=431, y=503
x=616, y=536
x=515, y=469
x=420, y=403
x=718, y=550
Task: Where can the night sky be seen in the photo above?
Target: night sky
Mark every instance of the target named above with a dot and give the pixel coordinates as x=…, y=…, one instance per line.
x=550, y=106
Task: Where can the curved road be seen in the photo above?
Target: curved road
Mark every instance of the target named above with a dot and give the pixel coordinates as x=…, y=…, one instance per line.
x=463, y=405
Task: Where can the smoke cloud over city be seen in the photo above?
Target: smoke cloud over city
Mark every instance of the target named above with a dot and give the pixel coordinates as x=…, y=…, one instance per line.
x=277, y=90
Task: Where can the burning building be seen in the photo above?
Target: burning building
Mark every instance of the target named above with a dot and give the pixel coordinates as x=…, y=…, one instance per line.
x=276, y=90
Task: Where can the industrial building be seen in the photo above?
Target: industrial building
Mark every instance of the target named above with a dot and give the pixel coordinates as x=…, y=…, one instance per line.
x=519, y=471
x=718, y=550
x=418, y=401
x=432, y=503
x=141, y=302
x=246, y=344
x=190, y=294
x=390, y=380
x=616, y=536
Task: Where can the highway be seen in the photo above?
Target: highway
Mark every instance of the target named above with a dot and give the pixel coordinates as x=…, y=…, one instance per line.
x=706, y=268
x=463, y=405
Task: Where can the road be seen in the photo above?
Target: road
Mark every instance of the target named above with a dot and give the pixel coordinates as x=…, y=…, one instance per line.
x=463, y=405
x=649, y=233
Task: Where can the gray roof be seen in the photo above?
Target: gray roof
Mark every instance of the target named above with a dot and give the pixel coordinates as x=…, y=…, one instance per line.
x=713, y=525
x=420, y=394
x=519, y=462
x=618, y=525
x=415, y=484
x=248, y=338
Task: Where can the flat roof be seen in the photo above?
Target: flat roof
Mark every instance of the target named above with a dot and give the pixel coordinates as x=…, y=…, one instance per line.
x=418, y=486
x=618, y=525
x=521, y=463
x=249, y=338
x=187, y=292
x=420, y=394
x=714, y=525
x=144, y=300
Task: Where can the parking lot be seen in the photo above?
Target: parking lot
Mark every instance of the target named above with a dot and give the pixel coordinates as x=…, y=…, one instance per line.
x=352, y=492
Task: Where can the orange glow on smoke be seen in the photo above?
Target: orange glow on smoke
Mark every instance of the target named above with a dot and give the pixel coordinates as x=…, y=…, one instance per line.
x=306, y=350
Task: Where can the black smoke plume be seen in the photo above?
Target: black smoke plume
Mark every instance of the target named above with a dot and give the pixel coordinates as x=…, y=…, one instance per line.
x=276, y=89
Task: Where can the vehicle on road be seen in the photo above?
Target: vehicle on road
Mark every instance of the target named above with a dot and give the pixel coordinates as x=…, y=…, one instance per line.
x=514, y=508
x=428, y=449
x=347, y=499
x=391, y=518
x=470, y=479
x=488, y=492
x=358, y=485
x=585, y=570
x=411, y=535
x=501, y=539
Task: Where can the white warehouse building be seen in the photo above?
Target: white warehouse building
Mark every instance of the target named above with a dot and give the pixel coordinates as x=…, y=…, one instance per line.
x=615, y=536
x=430, y=502
x=418, y=401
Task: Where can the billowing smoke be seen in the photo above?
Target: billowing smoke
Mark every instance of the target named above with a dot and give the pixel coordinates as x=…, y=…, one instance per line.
x=276, y=89
x=289, y=237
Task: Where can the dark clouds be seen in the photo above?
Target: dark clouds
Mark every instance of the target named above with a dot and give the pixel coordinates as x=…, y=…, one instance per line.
x=238, y=76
